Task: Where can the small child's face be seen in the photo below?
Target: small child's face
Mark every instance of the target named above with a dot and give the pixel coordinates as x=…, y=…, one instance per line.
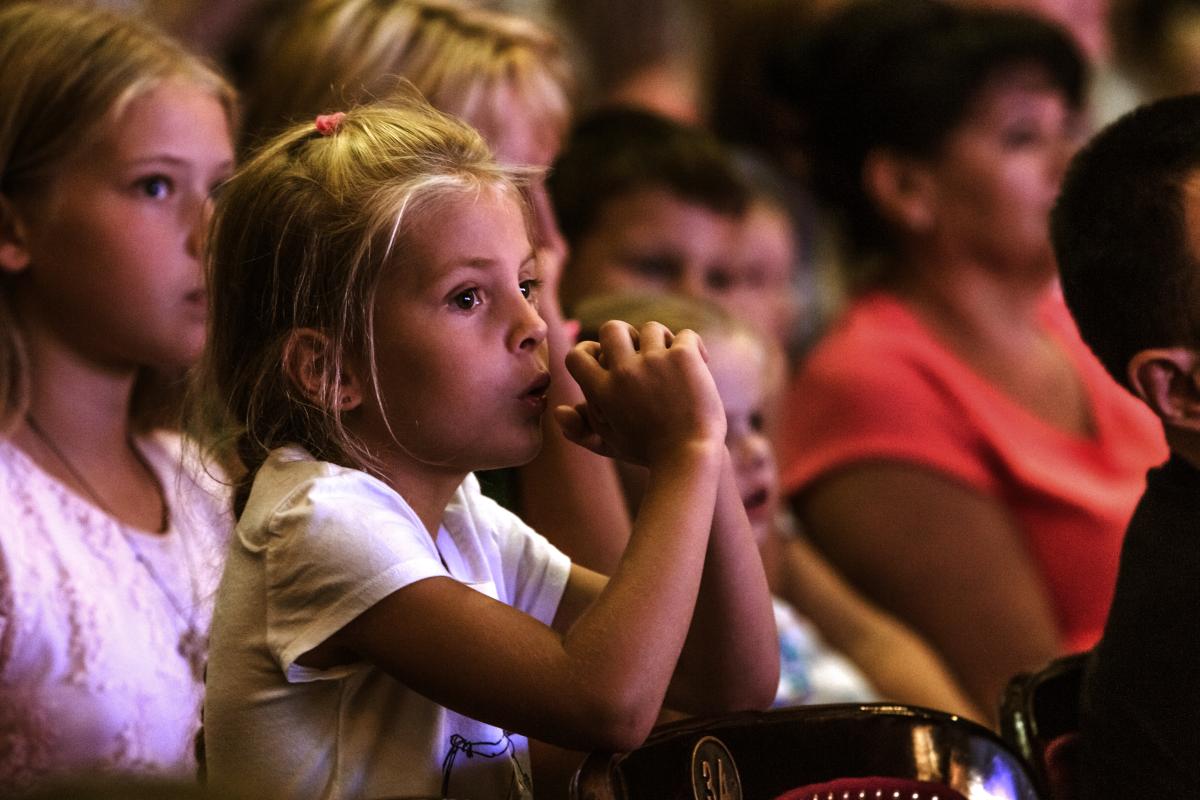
x=741, y=369
x=115, y=241
x=460, y=348
x=652, y=240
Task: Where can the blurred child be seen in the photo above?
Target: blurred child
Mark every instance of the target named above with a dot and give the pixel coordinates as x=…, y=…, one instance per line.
x=1126, y=230
x=112, y=141
x=812, y=604
x=649, y=203
x=382, y=628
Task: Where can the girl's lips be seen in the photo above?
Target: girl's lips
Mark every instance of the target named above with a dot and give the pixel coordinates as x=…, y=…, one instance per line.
x=535, y=395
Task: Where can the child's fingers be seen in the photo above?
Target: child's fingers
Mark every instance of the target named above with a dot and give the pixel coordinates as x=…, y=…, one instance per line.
x=618, y=341
x=583, y=362
x=689, y=338
x=576, y=428
x=654, y=336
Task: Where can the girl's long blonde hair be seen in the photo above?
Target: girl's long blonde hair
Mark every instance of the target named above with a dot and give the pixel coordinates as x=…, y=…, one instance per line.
x=65, y=74
x=302, y=235
x=467, y=61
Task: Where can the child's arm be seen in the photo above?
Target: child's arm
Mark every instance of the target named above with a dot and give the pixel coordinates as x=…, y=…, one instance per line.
x=731, y=659
x=600, y=684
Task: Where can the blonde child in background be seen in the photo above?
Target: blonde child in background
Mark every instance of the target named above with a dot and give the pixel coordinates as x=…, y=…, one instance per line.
x=382, y=628
x=509, y=78
x=834, y=646
x=112, y=140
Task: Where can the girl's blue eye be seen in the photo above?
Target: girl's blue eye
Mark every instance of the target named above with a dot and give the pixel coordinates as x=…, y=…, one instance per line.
x=156, y=187
x=466, y=299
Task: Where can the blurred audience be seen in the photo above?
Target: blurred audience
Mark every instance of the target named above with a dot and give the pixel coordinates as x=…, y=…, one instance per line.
x=951, y=444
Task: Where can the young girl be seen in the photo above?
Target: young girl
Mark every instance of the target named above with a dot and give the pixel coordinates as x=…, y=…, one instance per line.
x=834, y=645
x=382, y=628
x=508, y=78
x=111, y=142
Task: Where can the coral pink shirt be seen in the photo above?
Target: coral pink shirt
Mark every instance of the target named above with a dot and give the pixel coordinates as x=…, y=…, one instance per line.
x=881, y=386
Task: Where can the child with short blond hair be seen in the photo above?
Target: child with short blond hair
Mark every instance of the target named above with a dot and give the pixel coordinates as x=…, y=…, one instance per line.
x=382, y=628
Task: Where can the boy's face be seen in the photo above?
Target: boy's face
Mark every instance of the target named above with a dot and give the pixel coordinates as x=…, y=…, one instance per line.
x=764, y=263
x=651, y=239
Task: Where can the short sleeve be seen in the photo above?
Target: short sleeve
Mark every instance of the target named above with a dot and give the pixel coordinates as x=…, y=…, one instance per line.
x=850, y=405
x=534, y=571
x=336, y=546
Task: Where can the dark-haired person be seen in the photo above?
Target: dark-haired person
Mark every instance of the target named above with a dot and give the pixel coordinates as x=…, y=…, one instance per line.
x=646, y=202
x=1127, y=234
x=951, y=444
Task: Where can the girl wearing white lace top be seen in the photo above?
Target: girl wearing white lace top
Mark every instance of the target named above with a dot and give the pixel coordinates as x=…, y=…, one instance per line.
x=112, y=139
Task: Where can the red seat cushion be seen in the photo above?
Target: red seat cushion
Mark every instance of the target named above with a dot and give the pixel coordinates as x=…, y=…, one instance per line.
x=873, y=789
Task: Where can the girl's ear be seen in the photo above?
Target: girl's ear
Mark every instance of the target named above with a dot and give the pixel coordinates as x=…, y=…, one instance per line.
x=308, y=363
x=1168, y=380
x=14, y=249
x=901, y=188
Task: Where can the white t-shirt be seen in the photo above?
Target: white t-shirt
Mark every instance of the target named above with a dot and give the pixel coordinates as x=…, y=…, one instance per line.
x=92, y=680
x=810, y=671
x=316, y=546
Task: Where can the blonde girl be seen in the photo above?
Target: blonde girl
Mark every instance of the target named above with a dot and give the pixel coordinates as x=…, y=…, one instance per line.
x=112, y=139
x=382, y=628
x=509, y=78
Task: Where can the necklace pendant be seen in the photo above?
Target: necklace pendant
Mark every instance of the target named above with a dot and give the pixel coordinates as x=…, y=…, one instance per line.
x=193, y=646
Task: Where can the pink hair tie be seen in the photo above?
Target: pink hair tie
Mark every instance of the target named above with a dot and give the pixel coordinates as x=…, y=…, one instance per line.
x=327, y=124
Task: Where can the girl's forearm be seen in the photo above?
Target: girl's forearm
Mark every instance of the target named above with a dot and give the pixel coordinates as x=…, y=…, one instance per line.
x=627, y=644
x=731, y=658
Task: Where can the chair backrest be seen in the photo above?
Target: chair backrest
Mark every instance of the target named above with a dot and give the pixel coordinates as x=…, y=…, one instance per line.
x=1039, y=717
x=763, y=755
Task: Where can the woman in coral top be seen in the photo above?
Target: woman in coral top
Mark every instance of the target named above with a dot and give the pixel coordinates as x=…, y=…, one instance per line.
x=951, y=444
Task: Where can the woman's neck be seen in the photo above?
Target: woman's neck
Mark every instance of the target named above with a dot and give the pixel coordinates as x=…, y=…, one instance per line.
x=972, y=303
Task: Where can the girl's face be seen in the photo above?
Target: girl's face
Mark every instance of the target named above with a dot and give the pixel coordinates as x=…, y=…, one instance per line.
x=460, y=349
x=999, y=173
x=115, y=240
x=741, y=368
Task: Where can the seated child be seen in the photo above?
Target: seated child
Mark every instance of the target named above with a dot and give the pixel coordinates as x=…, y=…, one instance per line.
x=382, y=629
x=1126, y=231
x=882, y=659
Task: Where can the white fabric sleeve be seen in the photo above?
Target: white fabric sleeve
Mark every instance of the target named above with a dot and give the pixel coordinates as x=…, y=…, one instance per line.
x=338, y=545
x=535, y=571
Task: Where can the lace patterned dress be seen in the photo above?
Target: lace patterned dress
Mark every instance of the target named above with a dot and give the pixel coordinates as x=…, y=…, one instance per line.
x=98, y=670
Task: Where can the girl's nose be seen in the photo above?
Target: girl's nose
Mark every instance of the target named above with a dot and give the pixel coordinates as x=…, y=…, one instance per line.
x=529, y=329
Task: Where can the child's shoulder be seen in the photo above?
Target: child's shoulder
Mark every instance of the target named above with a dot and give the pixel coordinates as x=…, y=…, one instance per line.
x=292, y=488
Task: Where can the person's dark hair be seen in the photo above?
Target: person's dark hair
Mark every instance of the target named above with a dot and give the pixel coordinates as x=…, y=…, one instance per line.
x=1121, y=237
x=617, y=151
x=903, y=76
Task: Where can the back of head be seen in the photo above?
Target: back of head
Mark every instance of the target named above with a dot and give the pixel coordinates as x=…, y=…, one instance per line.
x=464, y=59
x=302, y=235
x=65, y=73
x=617, y=151
x=1125, y=230
x=901, y=77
